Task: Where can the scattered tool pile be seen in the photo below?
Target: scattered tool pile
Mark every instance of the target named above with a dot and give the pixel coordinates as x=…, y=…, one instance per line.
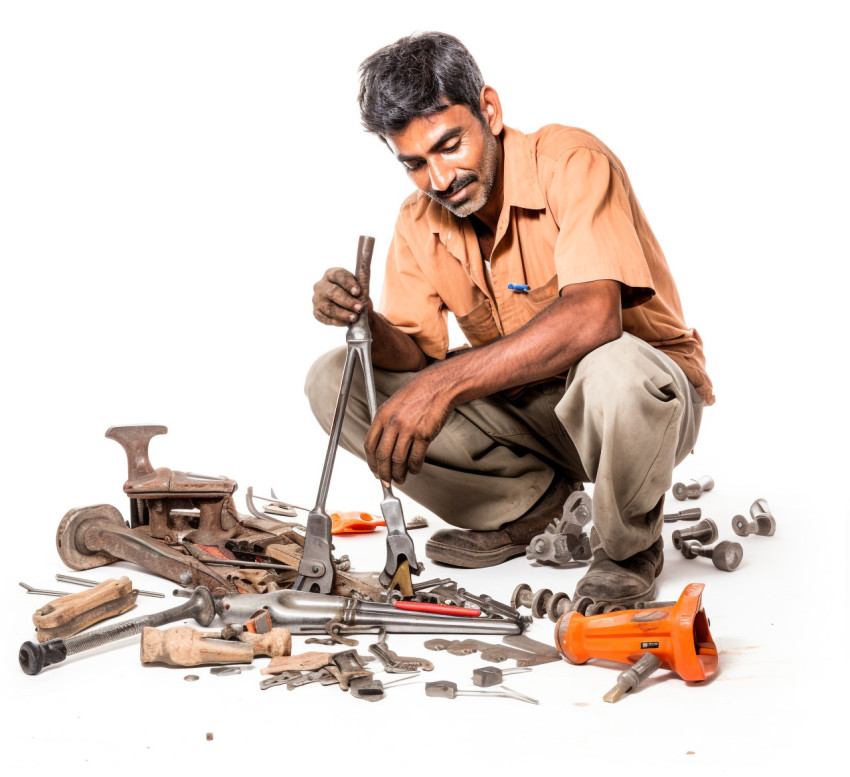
x=267, y=579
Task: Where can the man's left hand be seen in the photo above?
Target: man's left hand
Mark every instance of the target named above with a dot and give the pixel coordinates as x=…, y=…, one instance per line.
x=404, y=427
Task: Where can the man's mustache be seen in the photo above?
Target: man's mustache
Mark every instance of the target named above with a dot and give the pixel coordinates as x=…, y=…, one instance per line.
x=455, y=186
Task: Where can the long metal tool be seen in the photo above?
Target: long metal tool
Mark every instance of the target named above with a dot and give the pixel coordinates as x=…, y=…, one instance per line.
x=33, y=657
x=304, y=612
x=315, y=572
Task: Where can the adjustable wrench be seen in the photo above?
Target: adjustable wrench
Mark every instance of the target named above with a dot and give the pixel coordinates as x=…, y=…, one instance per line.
x=315, y=572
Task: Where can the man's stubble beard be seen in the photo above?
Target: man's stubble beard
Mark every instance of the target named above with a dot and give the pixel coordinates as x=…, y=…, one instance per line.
x=490, y=170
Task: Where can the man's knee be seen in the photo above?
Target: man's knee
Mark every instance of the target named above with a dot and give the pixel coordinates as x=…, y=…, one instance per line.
x=322, y=385
x=619, y=372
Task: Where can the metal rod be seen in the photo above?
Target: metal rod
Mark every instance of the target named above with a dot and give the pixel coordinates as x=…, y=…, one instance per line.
x=44, y=592
x=92, y=583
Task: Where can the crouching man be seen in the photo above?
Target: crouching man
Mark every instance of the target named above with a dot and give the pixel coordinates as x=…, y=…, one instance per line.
x=581, y=368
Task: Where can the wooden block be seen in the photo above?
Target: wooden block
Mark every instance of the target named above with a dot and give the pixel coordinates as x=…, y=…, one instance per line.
x=303, y=661
x=277, y=642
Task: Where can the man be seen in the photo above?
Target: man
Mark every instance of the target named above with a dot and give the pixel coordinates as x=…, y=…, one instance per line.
x=586, y=373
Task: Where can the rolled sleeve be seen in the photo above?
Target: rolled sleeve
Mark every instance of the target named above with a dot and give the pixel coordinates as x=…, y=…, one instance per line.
x=409, y=301
x=597, y=238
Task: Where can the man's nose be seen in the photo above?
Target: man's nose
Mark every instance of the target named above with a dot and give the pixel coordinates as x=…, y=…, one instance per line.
x=441, y=175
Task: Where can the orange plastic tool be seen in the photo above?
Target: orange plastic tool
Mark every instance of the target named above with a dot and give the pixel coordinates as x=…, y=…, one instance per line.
x=354, y=523
x=677, y=635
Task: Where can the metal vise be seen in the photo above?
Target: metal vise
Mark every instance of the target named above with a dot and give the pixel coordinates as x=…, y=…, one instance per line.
x=162, y=497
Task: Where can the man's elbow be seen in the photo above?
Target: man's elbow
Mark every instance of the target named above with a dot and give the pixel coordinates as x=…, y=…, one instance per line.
x=603, y=315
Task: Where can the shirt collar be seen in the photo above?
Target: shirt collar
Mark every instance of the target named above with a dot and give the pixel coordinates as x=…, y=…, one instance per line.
x=522, y=188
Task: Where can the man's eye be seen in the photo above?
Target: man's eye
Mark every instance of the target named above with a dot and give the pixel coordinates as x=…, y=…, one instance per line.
x=451, y=149
x=412, y=166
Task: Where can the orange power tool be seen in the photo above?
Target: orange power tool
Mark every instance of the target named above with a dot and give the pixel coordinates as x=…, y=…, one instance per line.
x=678, y=636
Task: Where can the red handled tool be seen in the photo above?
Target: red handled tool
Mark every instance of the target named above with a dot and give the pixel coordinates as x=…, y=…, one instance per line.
x=438, y=609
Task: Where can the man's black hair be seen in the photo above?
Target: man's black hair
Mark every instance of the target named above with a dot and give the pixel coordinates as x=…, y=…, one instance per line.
x=418, y=75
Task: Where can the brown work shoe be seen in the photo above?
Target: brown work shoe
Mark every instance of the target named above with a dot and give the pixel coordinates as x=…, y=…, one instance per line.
x=619, y=582
x=474, y=549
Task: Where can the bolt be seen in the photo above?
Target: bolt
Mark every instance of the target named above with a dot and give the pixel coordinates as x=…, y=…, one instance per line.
x=582, y=605
x=704, y=532
x=763, y=522
x=538, y=602
x=595, y=608
x=692, y=514
x=557, y=605
x=693, y=489
x=34, y=657
x=725, y=555
x=521, y=596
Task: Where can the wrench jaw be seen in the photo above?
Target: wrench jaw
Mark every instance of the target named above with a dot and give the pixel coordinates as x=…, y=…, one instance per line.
x=401, y=555
x=316, y=571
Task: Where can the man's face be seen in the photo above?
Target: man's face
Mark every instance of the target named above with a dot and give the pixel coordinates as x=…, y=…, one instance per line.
x=451, y=156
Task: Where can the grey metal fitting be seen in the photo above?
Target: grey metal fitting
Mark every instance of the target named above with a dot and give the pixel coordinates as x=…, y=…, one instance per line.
x=704, y=532
x=693, y=489
x=691, y=514
x=726, y=556
x=763, y=522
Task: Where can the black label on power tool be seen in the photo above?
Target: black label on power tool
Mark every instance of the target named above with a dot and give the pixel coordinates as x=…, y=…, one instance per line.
x=649, y=645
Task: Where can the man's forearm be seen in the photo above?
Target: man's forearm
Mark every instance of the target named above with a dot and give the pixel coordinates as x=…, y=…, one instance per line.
x=393, y=349
x=585, y=317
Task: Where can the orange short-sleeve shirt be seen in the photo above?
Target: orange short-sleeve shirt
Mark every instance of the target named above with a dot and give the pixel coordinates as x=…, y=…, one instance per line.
x=569, y=216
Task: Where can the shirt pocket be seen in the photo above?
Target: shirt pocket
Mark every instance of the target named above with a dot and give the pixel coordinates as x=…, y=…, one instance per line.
x=540, y=298
x=479, y=326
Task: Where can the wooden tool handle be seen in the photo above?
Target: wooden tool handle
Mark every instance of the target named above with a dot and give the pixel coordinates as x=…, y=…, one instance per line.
x=184, y=646
x=70, y=614
x=362, y=269
x=277, y=642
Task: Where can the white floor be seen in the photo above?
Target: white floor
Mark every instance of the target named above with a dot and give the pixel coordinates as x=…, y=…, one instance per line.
x=779, y=621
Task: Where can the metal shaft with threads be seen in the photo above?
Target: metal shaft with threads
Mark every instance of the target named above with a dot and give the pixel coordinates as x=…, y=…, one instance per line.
x=33, y=656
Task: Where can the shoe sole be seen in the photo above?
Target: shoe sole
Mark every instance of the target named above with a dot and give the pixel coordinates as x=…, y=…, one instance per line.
x=452, y=556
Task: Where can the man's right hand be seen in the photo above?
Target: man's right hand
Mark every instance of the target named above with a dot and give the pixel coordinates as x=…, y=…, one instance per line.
x=336, y=298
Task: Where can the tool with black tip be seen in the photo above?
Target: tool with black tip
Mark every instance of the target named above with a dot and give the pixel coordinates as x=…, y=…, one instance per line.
x=34, y=657
x=315, y=572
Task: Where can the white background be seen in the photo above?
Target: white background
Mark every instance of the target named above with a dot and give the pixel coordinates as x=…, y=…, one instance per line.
x=174, y=177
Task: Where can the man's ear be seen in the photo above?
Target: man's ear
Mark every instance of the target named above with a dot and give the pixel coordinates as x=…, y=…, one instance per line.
x=491, y=109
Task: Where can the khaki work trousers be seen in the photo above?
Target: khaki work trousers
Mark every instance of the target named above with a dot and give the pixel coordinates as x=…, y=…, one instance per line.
x=623, y=419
